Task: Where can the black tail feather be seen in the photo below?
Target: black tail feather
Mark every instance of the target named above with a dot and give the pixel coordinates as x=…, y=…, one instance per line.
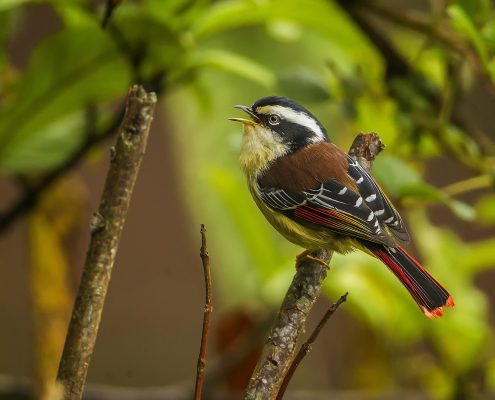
x=430, y=296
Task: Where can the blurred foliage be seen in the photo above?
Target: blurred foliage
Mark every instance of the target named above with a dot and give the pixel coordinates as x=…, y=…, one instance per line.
x=58, y=215
x=208, y=56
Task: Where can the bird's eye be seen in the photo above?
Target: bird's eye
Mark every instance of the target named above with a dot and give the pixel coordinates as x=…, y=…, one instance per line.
x=274, y=119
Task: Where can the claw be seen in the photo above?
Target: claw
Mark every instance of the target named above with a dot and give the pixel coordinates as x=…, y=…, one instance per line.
x=306, y=256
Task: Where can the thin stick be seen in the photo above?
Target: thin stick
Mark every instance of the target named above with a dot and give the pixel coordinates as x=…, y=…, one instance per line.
x=110, y=7
x=200, y=372
x=467, y=185
x=106, y=228
x=306, y=347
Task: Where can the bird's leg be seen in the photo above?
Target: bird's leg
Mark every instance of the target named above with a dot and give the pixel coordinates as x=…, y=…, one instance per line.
x=306, y=255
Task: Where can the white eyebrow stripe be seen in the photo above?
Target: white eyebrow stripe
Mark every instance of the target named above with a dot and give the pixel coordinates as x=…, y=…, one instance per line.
x=297, y=117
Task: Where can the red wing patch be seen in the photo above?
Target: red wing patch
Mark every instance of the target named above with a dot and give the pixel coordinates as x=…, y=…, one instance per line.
x=336, y=220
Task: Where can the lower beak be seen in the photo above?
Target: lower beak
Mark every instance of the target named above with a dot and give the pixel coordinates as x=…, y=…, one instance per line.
x=244, y=121
x=254, y=121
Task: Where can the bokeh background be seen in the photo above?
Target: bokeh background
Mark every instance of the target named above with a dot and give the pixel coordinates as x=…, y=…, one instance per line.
x=420, y=73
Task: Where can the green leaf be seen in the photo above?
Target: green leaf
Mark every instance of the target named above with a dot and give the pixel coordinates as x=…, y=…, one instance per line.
x=230, y=62
x=477, y=10
x=426, y=192
x=403, y=181
x=319, y=16
x=465, y=25
x=227, y=15
x=371, y=289
x=256, y=233
x=76, y=14
x=65, y=75
x=304, y=85
x=460, y=336
x=488, y=33
x=7, y=4
x=459, y=208
x=368, y=107
x=49, y=146
x=146, y=35
x=479, y=255
x=285, y=30
x=260, y=248
x=393, y=173
x=485, y=208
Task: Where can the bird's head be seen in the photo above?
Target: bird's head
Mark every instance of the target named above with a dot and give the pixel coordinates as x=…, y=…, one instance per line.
x=278, y=126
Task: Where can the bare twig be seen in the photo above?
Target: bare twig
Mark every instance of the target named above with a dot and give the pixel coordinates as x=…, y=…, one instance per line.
x=279, y=349
x=200, y=372
x=110, y=6
x=106, y=228
x=467, y=185
x=306, y=347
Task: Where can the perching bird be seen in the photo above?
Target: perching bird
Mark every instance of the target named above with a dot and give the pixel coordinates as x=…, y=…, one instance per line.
x=317, y=196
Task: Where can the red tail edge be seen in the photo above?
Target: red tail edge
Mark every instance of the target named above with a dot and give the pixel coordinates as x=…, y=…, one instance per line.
x=430, y=296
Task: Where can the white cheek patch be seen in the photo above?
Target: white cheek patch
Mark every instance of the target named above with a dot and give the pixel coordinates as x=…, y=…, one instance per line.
x=296, y=117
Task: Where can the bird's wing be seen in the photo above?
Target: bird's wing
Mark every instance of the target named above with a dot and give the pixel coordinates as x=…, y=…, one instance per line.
x=332, y=206
x=323, y=186
x=377, y=201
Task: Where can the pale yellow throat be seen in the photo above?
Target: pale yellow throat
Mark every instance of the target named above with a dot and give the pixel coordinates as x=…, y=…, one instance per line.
x=259, y=148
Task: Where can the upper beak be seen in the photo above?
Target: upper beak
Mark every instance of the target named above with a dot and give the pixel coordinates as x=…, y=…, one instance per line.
x=254, y=121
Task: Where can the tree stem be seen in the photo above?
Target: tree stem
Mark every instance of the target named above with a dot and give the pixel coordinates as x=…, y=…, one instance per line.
x=200, y=371
x=106, y=228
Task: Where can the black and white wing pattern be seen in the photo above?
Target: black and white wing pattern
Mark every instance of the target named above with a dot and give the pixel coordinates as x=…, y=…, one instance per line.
x=332, y=206
x=377, y=201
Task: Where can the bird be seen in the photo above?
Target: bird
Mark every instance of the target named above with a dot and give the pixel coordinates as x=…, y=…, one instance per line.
x=317, y=196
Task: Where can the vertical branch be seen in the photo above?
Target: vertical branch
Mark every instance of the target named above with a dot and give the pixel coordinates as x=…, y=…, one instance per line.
x=106, y=228
x=306, y=347
x=200, y=372
x=279, y=349
x=280, y=346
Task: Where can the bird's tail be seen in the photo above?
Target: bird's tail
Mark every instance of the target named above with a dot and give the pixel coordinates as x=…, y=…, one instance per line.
x=430, y=296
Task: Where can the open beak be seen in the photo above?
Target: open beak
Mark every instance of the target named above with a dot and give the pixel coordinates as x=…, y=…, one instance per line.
x=254, y=121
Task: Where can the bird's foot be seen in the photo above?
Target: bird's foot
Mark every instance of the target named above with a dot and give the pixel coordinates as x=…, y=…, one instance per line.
x=306, y=256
